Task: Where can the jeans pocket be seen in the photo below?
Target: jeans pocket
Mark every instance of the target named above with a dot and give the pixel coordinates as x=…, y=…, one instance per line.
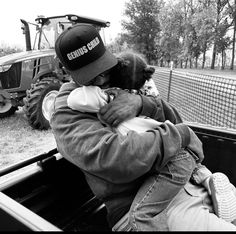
x=181, y=167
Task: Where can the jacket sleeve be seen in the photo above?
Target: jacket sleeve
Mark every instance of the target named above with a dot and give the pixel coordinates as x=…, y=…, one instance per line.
x=160, y=110
x=83, y=140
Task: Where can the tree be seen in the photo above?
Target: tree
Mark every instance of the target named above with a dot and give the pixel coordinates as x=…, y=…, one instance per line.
x=171, y=25
x=120, y=43
x=232, y=14
x=142, y=25
x=5, y=50
x=190, y=43
x=221, y=26
x=203, y=23
x=222, y=43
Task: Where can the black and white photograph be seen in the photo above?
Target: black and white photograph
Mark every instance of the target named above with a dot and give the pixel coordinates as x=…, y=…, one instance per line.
x=118, y=115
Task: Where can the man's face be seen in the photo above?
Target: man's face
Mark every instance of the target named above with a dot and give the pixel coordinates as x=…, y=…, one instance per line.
x=101, y=80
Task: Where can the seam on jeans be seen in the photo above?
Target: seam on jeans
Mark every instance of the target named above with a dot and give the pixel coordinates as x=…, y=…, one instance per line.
x=180, y=155
x=138, y=204
x=188, y=171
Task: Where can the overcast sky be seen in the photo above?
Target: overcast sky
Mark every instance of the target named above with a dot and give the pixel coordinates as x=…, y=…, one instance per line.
x=14, y=10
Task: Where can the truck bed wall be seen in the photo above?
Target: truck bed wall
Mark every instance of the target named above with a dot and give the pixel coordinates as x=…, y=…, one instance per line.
x=219, y=148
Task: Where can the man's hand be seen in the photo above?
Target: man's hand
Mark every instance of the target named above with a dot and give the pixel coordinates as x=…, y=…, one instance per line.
x=124, y=106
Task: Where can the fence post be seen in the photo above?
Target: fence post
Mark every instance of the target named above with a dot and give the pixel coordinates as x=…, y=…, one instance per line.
x=170, y=78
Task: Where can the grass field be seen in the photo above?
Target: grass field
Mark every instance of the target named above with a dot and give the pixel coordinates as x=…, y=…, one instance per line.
x=19, y=141
x=215, y=72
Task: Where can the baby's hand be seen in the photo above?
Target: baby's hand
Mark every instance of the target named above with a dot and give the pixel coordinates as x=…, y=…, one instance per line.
x=111, y=93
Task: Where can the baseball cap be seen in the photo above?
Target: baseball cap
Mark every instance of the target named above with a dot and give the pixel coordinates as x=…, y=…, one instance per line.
x=82, y=52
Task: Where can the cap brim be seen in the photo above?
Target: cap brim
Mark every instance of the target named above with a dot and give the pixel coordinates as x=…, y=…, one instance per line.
x=90, y=71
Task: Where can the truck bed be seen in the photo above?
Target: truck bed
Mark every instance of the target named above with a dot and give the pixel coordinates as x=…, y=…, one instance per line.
x=54, y=190
x=47, y=193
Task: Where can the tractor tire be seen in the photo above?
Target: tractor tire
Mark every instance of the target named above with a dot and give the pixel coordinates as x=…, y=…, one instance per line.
x=34, y=101
x=9, y=112
x=6, y=107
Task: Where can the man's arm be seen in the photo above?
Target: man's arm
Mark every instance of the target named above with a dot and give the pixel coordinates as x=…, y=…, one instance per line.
x=126, y=106
x=98, y=150
x=83, y=140
x=160, y=110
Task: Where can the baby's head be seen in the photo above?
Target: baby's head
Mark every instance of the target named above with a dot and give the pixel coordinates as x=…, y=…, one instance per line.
x=131, y=72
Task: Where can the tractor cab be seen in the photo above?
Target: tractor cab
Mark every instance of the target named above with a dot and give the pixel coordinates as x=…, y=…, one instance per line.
x=49, y=28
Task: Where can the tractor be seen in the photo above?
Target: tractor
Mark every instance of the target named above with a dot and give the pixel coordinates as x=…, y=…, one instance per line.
x=31, y=79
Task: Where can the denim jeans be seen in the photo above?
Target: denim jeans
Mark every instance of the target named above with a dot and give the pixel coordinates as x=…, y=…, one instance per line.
x=158, y=190
x=200, y=173
x=190, y=210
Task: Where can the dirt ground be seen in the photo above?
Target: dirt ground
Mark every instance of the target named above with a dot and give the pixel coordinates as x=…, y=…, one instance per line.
x=18, y=141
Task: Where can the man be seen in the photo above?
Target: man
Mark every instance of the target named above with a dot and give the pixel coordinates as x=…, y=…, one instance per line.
x=115, y=166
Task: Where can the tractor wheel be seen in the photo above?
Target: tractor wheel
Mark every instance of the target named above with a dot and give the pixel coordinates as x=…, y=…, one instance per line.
x=6, y=108
x=39, y=100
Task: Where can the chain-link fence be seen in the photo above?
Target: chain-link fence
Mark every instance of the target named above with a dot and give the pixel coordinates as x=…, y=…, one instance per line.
x=204, y=99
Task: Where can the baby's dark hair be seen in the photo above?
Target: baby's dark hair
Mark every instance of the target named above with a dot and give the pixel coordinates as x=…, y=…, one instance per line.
x=131, y=72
